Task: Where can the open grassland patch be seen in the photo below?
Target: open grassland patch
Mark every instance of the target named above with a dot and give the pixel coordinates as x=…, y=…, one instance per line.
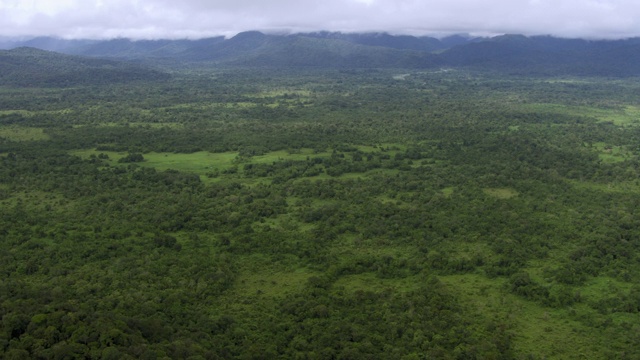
x=500, y=193
x=352, y=246
x=150, y=125
x=351, y=176
x=234, y=105
x=621, y=116
x=627, y=116
x=286, y=222
x=611, y=154
x=370, y=282
x=538, y=332
x=24, y=113
x=272, y=283
x=87, y=153
x=272, y=93
x=227, y=165
x=21, y=133
x=200, y=162
x=210, y=106
x=401, y=76
x=602, y=287
x=298, y=155
x=611, y=157
x=386, y=200
x=568, y=81
x=390, y=148
x=448, y=191
x=36, y=200
x=470, y=250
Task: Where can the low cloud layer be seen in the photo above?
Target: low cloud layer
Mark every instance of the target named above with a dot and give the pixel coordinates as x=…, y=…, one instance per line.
x=152, y=19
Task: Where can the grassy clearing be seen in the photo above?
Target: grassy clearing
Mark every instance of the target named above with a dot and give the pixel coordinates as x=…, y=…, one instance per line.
x=470, y=250
x=500, y=193
x=624, y=116
x=541, y=332
x=171, y=125
x=352, y=246
x=204, y=163
x=628, y=116
x=234, y=105
x=272, y=283
x=401, y=76
x=271, y=93
x=602, y=287
x=287, y=223
x=568, y=81
x=281, y=155
x=209, y=106
x=611, y=157
x=24, y=113
x=21, y=133
x=260, y=283
x=28, y=113
x=37, y=200
x=611, y=154
x=200, y=162
x=344, y=176
x=448, y=191
x=85, y=154
x=372, y=282
x=391, y=148
x=386, y=200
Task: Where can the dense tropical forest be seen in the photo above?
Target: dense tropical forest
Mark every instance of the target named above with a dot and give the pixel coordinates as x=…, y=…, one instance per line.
x=252, y=213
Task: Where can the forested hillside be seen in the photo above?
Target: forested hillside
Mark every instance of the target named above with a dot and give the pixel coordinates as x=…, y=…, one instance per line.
x=321, y=214
x=30, y=67
x=506, y=54
x=542, y=55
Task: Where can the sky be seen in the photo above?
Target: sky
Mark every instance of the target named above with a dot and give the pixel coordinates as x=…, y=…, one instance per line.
x=176, y=19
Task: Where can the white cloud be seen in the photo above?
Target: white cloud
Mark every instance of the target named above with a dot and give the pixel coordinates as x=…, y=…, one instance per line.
x=199, y=18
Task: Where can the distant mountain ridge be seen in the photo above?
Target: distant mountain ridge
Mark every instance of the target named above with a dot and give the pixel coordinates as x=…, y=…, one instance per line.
x=137, y=48
x=27, y=66
x=545, y=55
x=511, y=54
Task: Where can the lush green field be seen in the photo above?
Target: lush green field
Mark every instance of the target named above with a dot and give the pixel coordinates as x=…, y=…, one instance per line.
x=315, y=214
x=19, y=133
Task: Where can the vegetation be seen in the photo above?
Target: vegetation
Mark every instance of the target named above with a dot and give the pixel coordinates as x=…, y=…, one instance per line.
x=321, y=214
x=29, y=67
x=506, y=54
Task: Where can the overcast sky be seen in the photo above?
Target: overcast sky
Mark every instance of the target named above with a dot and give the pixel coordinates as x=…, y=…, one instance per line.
x=152, y=19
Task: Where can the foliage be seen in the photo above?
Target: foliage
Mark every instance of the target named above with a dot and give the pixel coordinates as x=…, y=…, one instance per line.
x=320, y=214
x=29, y=67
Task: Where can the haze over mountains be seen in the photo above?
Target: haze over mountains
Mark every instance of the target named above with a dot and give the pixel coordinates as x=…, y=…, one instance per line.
x=512, y=54
x=30, y=67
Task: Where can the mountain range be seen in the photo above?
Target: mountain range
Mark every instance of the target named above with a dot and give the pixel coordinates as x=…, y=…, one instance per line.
x=27, y=67
x=511, y=54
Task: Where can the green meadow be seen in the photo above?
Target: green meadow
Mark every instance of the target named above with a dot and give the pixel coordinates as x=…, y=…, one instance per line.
x=621, y=115
x=21, y=133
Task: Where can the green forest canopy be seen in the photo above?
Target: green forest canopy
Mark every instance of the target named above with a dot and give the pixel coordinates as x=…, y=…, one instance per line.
x=319, y=215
